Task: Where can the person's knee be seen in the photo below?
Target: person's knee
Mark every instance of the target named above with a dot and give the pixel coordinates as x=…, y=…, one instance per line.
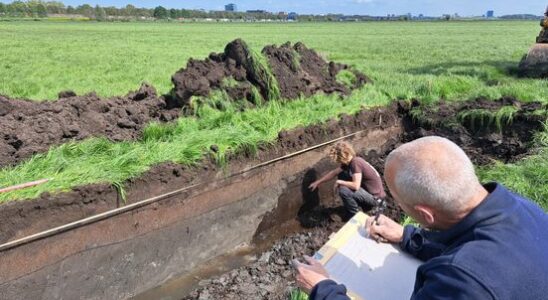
x=345, y=192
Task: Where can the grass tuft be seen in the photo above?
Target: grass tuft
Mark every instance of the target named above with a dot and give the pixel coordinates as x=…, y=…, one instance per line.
x=261, y=67
x=346, y=78
x=298, y=294
x=483, y=118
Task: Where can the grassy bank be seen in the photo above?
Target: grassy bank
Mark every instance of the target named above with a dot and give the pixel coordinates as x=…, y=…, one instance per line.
x=430, y=61
x=185, y=142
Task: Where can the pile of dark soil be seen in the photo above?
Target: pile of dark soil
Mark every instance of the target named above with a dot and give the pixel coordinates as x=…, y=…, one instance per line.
x=289, y=72
x=30, y=127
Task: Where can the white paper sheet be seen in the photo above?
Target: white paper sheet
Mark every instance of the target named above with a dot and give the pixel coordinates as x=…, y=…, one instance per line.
x=371, y=270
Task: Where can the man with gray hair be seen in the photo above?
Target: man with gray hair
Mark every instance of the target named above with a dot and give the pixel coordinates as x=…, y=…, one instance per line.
x=478, y=242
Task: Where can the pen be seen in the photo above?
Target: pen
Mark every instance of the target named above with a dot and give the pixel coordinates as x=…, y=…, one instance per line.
x=380, y=210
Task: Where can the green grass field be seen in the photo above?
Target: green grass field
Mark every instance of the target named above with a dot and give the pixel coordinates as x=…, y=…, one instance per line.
x=451, y=60
x=429, y=61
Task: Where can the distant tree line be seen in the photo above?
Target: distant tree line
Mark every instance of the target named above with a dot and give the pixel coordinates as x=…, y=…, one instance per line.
x=42, y=9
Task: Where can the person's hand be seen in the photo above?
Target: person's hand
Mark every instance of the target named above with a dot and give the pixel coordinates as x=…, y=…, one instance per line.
x=384, y=230
x=309, y=274
x=336, y=187
x=313, y=186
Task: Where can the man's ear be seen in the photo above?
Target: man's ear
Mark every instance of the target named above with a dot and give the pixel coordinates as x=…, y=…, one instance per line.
x=426, y=213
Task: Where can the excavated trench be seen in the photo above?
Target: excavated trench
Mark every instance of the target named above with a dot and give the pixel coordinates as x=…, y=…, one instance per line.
x=259, y=217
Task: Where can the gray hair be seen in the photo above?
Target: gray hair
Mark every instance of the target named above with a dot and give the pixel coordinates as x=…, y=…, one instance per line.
x=434, y=171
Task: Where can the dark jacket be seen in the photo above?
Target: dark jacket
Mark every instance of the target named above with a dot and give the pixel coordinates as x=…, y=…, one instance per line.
x=498, y=251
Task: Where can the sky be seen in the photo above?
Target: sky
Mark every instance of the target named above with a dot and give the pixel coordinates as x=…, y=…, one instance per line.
x=363, y=7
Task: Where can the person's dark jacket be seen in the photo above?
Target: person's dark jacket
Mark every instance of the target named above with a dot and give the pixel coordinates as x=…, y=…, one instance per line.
x=498, y=251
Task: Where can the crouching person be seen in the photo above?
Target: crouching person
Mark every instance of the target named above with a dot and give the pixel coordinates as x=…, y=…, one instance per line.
x=358, y=184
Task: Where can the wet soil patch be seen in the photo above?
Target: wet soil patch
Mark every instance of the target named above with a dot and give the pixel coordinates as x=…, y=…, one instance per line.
x=270, y=276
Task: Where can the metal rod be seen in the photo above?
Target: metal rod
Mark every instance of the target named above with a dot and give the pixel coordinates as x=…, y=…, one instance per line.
x=129, y=207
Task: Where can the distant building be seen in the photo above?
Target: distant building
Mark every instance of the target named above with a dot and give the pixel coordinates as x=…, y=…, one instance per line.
x=292, y=16
x=231, y=7
x=490, y=14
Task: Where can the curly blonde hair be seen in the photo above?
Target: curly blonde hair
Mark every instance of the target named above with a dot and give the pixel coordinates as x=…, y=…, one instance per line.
x=342, y=152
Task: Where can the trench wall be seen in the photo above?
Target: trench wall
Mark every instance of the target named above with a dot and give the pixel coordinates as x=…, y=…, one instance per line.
x=130, y=253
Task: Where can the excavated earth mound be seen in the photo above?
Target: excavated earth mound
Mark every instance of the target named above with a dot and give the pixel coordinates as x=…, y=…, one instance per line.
x=290, y=71
x=30, y=127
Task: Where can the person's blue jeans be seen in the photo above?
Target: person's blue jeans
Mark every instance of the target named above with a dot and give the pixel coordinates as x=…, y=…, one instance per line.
x=354, y=200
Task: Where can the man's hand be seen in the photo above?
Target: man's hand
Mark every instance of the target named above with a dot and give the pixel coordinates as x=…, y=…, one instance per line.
x=384, y=230
x=310, y=274
x=314, y=185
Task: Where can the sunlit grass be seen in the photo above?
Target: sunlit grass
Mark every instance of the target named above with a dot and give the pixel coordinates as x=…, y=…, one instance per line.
x=429, y=61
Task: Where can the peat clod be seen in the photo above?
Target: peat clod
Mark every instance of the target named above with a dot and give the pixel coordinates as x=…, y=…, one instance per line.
x=146, y=91
x=66, y=94
x=287, y=72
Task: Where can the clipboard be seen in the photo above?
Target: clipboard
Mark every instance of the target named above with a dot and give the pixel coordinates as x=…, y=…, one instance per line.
x=369, y=270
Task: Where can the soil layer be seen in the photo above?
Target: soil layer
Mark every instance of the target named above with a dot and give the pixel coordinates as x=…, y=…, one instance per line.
x=482, y=144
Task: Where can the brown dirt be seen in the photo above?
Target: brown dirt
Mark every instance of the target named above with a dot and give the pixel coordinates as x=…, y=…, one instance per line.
x=270, y=276
x=297, y=69
x=30, y=127
x=301, y=71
